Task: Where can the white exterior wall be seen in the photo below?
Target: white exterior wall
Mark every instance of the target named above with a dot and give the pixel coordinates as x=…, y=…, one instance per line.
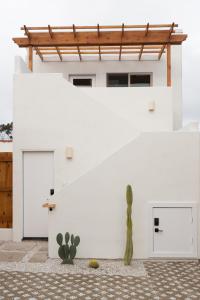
x=161, y=167
x=55, y=114
x=105, y=127
x=132, y=104
x=101, y=68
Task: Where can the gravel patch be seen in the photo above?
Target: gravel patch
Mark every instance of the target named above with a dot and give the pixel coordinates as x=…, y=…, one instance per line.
x=35, y=260
x=107, y=267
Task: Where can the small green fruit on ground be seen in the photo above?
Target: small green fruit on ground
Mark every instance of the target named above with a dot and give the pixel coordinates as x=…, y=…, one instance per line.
x=93, y=263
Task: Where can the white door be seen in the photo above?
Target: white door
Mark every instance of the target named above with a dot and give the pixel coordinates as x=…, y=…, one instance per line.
x=173, y=232
x=38, y=181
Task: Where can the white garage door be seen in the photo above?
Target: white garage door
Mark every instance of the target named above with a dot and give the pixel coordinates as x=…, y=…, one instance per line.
x=38, y=181
x=173, y=232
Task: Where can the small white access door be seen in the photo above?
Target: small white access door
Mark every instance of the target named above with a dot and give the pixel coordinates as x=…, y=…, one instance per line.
x=173, y=232
x=38, y=180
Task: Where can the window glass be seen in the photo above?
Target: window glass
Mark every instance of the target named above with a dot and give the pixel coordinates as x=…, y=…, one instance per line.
x=140, y=80
x=117, y=80
x=82, y=81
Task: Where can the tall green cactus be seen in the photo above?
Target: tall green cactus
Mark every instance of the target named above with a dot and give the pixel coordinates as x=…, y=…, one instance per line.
x=129, y=241
x=67, y=252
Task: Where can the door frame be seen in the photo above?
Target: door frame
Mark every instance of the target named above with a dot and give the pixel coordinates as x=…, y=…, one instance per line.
x=193, y=206
x=35, y=151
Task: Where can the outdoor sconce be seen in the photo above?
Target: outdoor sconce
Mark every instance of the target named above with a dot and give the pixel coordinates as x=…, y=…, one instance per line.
x=151, y=105
x=69, y=152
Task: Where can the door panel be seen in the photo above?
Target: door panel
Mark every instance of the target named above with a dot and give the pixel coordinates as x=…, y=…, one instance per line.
x=38, y=180
x=174, y=235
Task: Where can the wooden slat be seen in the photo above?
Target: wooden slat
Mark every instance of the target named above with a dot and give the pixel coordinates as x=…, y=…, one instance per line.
x=102, y=47
x=147, y=29
x=101, y=27
x=122, y=34
x=169, y=83
x=97, y=52
x=59, y=53
x=98, y=30
x=9, y=189
x=141, y=51
x=50, y=31
x=142, y=47
x=5, y=190
x=169, y=38
x=6, y=156
x=99, y=47
x=26, y=32
x=30, y=58
x=107, y=38
x=75, y=37
x=39, y=53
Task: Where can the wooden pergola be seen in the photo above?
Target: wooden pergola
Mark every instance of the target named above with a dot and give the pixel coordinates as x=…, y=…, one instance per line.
x=113, y=40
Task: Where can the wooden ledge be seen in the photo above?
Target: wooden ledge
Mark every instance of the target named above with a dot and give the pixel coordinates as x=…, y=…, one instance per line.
x=49, y=205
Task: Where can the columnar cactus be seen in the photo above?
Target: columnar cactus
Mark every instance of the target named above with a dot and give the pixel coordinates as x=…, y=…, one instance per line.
x=129, y=241
x=67, y=252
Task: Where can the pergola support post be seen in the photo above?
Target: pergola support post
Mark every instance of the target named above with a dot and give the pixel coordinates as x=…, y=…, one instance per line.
x=169, y=76
x=30, y=58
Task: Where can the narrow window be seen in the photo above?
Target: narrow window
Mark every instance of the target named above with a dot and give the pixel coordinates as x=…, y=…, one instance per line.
x=81, y=82
x=140, y=80
x=117, y=80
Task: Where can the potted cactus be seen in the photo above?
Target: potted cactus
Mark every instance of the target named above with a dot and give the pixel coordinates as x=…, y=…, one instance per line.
x=65, y=251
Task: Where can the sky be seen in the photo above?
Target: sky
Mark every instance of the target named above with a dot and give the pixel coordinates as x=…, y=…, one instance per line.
x=16, y=13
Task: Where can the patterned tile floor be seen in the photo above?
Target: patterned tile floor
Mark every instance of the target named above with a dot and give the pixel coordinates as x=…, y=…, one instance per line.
x=165, y=281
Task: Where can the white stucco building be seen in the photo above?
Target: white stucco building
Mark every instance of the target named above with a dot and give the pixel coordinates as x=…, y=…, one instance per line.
x=87, y=124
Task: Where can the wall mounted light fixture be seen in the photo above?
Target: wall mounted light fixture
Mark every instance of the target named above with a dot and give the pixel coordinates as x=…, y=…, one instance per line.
x=69, y=152
x=151, y=105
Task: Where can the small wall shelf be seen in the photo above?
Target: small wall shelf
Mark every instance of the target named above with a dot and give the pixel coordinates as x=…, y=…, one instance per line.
x=50, y=206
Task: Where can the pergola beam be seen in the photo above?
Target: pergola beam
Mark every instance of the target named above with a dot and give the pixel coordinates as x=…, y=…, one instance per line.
x=169, y=80
x=30, y=58
x=51, y=36
x=102, y=47
x=107, y=38
x=169, y=38
x=141, y=51
x=97, y=52
x=39, y=53
x=153, y=26
x=98, y=34
x=59, y=53
x=75, y=37
x=122, y=34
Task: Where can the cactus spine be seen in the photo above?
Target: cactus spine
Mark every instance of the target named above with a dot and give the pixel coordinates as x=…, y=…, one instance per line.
x=67, y=252
x=129, y=241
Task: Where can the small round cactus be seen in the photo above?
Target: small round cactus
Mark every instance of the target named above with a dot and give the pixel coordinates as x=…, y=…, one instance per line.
x=93, y=263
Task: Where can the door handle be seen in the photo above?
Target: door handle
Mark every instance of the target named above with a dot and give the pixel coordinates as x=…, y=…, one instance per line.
x=158, y=230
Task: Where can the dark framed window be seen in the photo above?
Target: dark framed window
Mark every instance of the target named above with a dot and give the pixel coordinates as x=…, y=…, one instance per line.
x=140, y=80
x=82, y=82
x=117, y=80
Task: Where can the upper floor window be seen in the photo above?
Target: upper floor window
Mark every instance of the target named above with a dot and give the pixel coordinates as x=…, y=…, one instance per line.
x=129, y=79
x=117, y=79
x=82, y=80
